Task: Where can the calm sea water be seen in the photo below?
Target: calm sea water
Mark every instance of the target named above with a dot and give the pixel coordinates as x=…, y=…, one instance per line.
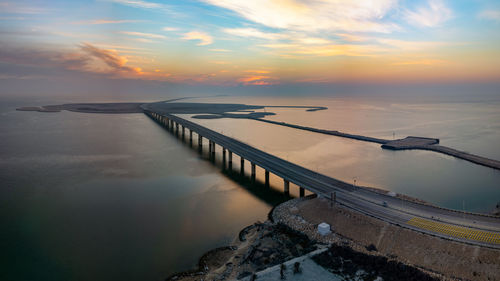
x=115, y=197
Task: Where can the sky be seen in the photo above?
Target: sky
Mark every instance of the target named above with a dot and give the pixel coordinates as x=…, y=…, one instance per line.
x=246, y=43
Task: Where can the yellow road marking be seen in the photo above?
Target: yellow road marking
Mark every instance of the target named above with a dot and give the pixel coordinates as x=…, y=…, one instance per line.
x=456, y=231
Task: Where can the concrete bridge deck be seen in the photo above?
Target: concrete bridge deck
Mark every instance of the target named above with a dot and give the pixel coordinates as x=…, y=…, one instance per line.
x=397, y=211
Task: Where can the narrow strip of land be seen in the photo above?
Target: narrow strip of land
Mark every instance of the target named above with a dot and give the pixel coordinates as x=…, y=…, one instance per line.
x=407, y=143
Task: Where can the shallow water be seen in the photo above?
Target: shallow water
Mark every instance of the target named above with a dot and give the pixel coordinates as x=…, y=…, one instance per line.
x=434, y=177
x=108, y=197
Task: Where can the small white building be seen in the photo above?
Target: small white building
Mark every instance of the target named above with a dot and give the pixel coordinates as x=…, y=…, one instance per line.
x=324, y=228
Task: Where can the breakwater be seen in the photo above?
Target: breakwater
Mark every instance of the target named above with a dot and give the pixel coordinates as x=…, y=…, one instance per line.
x=408, y=143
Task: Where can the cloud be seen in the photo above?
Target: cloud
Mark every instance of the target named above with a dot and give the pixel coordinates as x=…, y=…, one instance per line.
x=421, y=62
x=312, y=41
x=204, y=38
x=292, y=50
x=104, y=21
x=19, y=8
x=297, y=38
x=490, y=15
x=142, y=34
x=412, y=45
x=86, y=58
x=258, y=71
x=301, y=15
x=220, y=50
x=350, y=37
x=430, y=15
x=257, y=80
x=252, y=32
x=141, y=4
x=97, y=57
x=169, y=29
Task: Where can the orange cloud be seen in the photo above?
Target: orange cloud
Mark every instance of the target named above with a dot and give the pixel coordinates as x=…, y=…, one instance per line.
x=258, y=71
x=257, y=80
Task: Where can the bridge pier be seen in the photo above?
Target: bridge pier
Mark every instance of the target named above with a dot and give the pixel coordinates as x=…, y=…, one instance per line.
x=171, y=125
x=200, y=143
x=209, y=149
x=242, y=166
x=183, y=133
x=286, y=187
x=266, y=176
x=213, y=151
x=177, y=129
x=302, y=191
x=230, y=162
x=223, y=158
x=253, y=172
x=190, y=137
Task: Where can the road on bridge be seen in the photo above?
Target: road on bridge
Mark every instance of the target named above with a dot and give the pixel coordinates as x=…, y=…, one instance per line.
x=470, y=228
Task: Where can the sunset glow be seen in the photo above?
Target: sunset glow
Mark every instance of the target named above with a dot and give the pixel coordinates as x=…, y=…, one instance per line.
x=239, y=42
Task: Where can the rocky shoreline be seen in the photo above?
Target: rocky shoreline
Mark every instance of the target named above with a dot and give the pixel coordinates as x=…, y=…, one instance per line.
x=286, y=236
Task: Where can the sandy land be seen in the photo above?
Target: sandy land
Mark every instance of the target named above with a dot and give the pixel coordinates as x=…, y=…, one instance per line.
x=88, y=108
x=452, y=260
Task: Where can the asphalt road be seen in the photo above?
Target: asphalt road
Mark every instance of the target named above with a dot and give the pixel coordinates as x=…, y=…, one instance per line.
x=397, y=211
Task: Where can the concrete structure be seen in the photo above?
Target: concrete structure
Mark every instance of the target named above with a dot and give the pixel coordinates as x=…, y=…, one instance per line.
x=356, y=198
x=242, y=166
x=253, y=172
x=324, y=228
x=302, y=191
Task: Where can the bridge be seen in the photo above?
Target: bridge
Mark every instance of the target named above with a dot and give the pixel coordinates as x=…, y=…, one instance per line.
x=471, y=228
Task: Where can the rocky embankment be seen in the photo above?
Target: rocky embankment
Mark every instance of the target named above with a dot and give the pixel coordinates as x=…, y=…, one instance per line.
x=439, y=258
x=288, y=235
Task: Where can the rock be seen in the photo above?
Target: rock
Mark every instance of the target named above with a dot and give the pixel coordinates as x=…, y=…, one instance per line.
x=371, y=248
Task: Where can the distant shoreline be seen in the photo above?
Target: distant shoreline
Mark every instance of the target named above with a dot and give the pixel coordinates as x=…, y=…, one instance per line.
x=199, y=110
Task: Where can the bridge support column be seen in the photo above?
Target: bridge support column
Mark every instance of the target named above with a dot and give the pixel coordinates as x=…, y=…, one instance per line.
x=302, y=191
x=209, y=148
x=266, y=176
x=286, y=187
x=242, y=166
x=253, y=173
x=200, y=143
x=213, y=151
x=183, y=132
x=190, y=137
x=223, y=158
x=171, y=125
x=230, y=161
x=177, y=129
